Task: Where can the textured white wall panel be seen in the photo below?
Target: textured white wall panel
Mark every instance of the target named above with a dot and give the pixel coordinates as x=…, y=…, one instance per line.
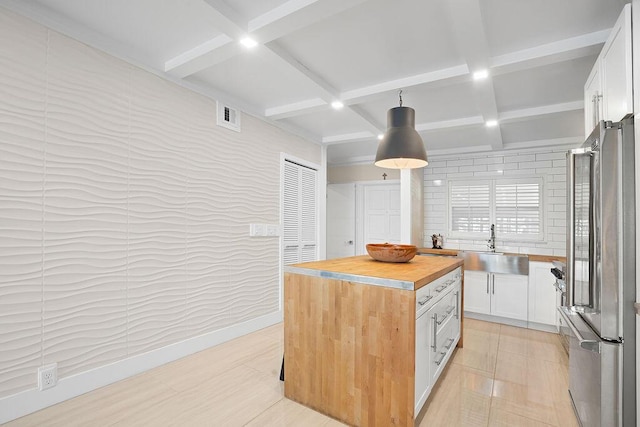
x=85, y=227
x=124, y=210
x=22, y=132
x=208, y=216
x=157, y=204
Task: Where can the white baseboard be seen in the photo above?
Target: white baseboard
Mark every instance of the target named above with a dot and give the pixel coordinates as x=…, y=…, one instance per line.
x=511, y=322
x=32, y=400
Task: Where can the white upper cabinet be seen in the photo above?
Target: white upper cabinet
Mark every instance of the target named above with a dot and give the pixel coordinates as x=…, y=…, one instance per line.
x=592, y=100
x=608, y=92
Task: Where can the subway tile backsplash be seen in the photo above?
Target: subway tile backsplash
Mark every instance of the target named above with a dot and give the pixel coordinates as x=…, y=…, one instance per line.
x=547, y=163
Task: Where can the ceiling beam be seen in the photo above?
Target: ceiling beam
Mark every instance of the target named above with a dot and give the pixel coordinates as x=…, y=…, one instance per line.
x=347, y=137
x=294, y=15
x=284, y=19
x=445, y=124
x=528, y=113
x=209, y=53
x=505, y=117
x=275, y=23
x=326, y=91
x=290, y=110
x=562, y=50
x=467, y=28
x=449, y=75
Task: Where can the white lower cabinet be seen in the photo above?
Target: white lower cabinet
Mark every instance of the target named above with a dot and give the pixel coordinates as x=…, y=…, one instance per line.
x=542, y=294
x=503, y=295
x=477, y=298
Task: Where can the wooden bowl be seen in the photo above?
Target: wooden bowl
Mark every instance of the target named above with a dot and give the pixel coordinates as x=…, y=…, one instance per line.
x=389, y=252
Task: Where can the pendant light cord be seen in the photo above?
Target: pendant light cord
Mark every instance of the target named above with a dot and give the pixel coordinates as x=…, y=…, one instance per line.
x=400, y=96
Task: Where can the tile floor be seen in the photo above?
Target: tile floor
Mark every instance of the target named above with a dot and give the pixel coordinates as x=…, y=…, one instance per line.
x=504, y=376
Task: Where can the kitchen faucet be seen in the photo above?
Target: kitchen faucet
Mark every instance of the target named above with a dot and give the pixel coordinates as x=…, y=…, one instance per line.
x=492, y=239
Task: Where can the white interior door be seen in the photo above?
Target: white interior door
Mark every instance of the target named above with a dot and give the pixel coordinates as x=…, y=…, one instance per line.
x=381, y=214
x=341, y=220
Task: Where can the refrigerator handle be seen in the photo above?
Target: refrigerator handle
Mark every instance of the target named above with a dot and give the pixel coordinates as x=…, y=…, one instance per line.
x=593, y=230
x=571, y=218
x=571, y=233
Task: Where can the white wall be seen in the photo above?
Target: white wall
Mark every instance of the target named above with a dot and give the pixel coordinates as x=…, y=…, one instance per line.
x=124, y=209
x=548, y=163
x=356, y=173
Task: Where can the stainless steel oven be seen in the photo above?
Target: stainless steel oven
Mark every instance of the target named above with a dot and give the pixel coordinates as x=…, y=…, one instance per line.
x=559, y=271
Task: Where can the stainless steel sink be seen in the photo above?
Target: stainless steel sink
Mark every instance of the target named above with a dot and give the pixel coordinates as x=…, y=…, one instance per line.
x=495, y=262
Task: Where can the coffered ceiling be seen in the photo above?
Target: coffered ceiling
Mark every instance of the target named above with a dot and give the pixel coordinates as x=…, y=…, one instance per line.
x=311, y=53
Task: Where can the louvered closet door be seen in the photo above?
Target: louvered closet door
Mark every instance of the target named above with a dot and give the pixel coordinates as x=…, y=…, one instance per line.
x=300, y=218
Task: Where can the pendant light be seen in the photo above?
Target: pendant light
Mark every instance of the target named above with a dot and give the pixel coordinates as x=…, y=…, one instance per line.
x=401, y=146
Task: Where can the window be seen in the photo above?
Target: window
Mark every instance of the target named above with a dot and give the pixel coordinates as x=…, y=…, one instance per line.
x=514, y=206
x=300, y=219
x=470, y=207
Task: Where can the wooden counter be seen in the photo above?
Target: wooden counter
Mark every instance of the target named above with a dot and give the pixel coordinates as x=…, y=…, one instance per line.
x=454, y=252
x=350, y=346
x=411, y=275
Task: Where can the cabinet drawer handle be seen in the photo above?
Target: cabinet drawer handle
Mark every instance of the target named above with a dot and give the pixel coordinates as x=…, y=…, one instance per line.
x=439, y=361
x=435, y=331
x=457, y=293
x=425, y=300
x=441, y=288
x=444, y=317
x=487, y=283
x=449, y=343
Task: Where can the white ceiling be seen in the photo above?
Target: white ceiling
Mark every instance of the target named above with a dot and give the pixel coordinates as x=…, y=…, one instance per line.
x=312, y=52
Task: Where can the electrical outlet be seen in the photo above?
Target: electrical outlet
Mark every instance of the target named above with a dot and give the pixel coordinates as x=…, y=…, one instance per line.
x=47, y=376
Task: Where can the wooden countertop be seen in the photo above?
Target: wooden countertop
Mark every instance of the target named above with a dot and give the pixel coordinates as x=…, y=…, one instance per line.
x=454, y=252
x=410, y=275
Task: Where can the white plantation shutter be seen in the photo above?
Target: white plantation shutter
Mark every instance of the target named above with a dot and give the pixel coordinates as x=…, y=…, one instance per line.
x=300, y=219
x=518, y=208
x=514, y=206
x=470, y=207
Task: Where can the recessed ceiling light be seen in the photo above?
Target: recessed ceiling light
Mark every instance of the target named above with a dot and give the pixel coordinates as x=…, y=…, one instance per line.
x=248, y=42
x=337, y=105
x=491, y=123
x=480, y=74
x=380, y=136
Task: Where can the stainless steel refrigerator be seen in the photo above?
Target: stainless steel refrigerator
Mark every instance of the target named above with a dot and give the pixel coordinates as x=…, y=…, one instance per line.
x=599, y=313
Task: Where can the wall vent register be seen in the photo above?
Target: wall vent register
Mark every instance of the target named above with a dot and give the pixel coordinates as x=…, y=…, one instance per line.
x=228, y=117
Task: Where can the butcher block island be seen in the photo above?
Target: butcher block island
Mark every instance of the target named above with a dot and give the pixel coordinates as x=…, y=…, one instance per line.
x=365, y=341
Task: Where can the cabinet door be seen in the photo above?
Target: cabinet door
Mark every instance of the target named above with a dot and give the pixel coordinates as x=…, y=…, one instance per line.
x=616, y=69
x=476, y=292
x=542, y=293
x=592, y=100
x=423, y=348
x=509, y=296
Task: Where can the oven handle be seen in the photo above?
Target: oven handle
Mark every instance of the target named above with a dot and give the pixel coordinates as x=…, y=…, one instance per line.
x=591, y=345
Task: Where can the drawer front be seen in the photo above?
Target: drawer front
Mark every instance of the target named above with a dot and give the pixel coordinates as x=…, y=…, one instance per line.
x=445, y=343
x=431, y=293
x=446, y=309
